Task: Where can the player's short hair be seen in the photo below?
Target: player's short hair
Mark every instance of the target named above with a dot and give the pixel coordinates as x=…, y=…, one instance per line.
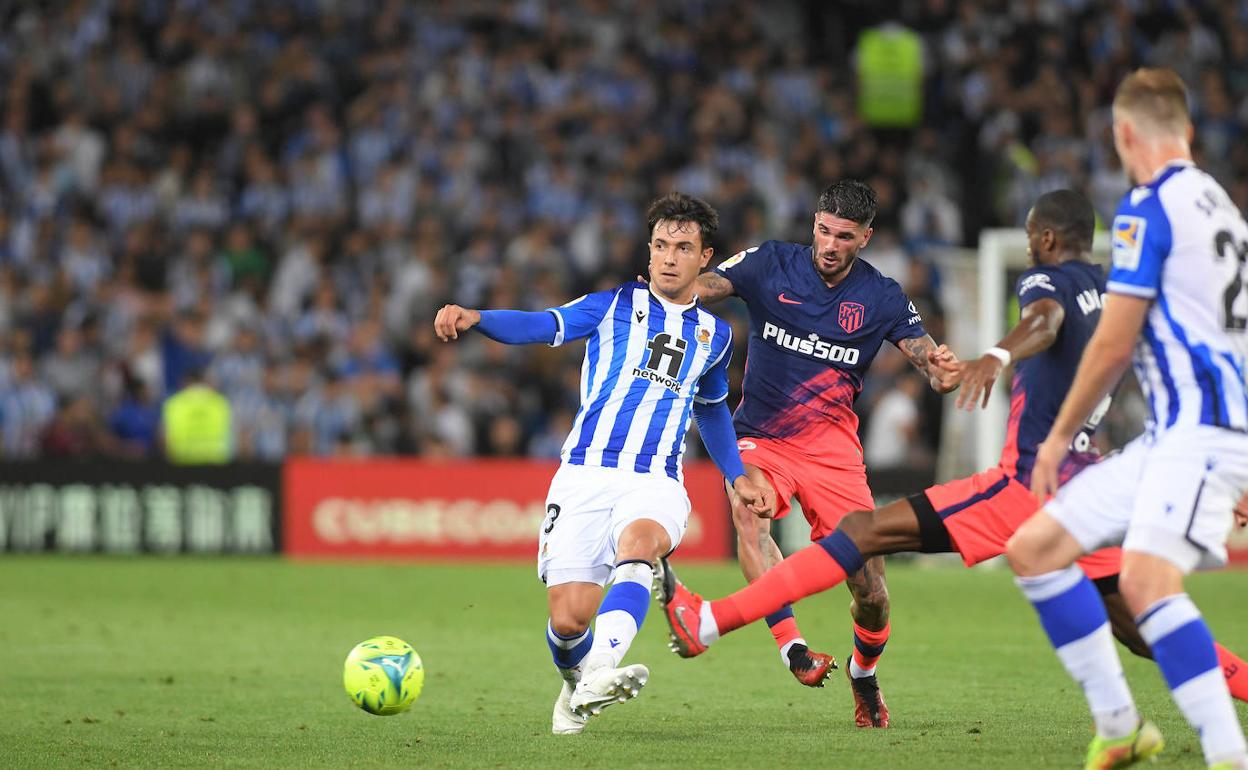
x=679, y=207
x=1069, y=214
x=849, y=199
x=1155, y=99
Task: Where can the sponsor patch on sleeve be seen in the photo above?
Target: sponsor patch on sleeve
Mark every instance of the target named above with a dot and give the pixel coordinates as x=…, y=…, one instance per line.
x=735, y=259
x=1128, y=241
x=1036, y=281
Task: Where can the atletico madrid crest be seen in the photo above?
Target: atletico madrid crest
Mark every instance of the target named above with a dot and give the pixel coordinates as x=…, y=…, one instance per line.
x=851, y=316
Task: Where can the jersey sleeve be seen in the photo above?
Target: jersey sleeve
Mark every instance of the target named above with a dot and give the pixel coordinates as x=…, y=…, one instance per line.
x=1037, y=284
x=713, y=384
x=1140, y=242
x=907, y=322
x=745, y=269
x=580, y=317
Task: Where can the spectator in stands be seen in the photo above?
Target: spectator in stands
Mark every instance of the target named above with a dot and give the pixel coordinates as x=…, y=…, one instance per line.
x=182, y=171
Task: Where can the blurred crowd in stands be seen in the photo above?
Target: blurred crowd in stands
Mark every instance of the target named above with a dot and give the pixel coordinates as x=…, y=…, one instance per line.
x=281, y=194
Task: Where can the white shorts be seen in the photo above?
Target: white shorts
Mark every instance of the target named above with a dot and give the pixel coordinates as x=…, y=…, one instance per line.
x=588, y=507
x=1170, y=495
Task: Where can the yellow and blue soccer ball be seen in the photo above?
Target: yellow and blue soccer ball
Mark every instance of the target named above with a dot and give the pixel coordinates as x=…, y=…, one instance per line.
x=383, y=675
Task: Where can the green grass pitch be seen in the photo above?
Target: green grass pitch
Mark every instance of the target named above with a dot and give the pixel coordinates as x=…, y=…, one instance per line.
x=168, y=663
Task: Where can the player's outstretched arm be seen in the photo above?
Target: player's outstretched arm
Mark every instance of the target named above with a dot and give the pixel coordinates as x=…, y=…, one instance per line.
x=932, y=360
x=720, y=439
x=1036, y=331
x=514, y=327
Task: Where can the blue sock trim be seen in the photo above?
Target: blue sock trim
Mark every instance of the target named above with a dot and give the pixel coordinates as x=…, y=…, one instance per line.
x=1072, y=614
x=868, y=650
x=567, y=658
x=1185, y=653
x=842, y=549
x=1151, y=611
x=558, y=635
x=631, y=597
x=780, y=615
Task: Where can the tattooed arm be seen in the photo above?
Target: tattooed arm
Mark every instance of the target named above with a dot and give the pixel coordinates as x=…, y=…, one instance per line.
x=712, y=287
x=927, y=357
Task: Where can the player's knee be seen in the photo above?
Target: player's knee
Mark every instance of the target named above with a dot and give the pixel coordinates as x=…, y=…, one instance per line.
x=1021, y=553
x=860, y=527
x=566, y=622
x=1142, y=589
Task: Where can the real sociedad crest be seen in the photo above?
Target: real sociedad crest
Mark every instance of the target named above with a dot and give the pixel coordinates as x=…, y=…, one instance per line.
x=851, y=316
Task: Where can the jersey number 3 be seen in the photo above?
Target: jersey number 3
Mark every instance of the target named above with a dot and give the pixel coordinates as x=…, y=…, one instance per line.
x=1224, y=245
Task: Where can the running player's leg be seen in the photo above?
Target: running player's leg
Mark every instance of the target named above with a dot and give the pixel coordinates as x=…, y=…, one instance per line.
x=623, y=610
x=574, y=563
x=827, y=494
x=647, y=521
x=1122, y=623
x=757, y=551
x=815, y=568
x=972, y=516
x=1094, y=508
x=572, y=606
x=1198, y=473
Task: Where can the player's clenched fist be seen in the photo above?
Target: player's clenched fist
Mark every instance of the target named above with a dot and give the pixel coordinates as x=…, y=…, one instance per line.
x=453, y=319
x=759, y=498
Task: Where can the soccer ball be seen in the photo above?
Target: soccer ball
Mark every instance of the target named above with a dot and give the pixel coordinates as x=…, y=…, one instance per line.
x=383, y=675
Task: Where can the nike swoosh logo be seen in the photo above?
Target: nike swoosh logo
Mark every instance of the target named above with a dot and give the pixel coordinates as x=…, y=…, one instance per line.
x=679, y=613
x=788, y=301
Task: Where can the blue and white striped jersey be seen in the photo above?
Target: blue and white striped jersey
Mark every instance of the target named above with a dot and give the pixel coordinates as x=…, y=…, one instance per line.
x=647, y=360
x=1181, y=241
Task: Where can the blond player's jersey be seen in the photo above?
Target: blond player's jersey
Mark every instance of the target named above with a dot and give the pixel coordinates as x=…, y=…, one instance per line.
x=1180, y=241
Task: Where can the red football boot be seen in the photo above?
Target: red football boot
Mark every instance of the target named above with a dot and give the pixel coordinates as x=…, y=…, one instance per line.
x=810, y=668
x=683, y=609
x=869, y=707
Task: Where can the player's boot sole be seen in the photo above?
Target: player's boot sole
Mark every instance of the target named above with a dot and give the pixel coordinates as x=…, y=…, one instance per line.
x=607, y=687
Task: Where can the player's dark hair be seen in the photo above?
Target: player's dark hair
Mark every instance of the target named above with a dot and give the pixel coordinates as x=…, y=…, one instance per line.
x=849, y=199
x=679, y=207
x=1069, y=214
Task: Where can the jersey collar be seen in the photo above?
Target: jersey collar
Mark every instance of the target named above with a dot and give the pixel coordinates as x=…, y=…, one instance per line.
x=1165, y=171
x=672, y=306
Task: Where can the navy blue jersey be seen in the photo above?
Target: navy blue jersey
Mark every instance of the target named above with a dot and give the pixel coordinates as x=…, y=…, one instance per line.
x=810, y=345
x=1041, y=381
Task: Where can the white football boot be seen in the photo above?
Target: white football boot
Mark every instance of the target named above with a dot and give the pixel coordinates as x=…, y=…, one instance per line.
x=565, y=721
x=606, y=686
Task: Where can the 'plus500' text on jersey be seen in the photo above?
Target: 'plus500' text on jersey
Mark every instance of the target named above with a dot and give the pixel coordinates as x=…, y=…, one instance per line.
x=811, y=345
